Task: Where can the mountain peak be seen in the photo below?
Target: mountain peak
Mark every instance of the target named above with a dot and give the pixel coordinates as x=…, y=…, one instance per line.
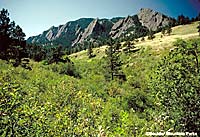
x=152, y=19
x=94, y=29
x=84, y=29
x=146, y=10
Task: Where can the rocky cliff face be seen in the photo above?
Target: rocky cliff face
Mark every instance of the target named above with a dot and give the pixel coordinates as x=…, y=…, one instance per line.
x=96, y=29
x=63, y=34
x=145, y=19
x=153, y=20
x=122, y=26
x=85, y=29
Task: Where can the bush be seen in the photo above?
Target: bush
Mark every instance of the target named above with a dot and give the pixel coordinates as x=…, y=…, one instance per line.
x=66, y=69
x=142, y=39
x=12, y=120
x=176, y=86
x=139, y=101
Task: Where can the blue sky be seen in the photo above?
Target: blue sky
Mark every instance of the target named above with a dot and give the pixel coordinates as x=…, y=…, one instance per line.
x=35, y=16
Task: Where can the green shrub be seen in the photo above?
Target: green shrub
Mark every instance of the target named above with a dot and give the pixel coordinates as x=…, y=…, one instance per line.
x=65, y=69
x=12, y=120
x=176, y=87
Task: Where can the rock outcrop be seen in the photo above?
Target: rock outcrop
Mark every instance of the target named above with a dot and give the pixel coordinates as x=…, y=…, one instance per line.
x=153, y=20
x=122, y=26
x=96, y=29
x=63, y=34
x=88, y=29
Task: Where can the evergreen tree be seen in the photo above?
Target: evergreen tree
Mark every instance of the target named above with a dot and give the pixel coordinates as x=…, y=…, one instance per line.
x=142, y=39
x=5, y=28
x=55, y=55
x=36, y=52
x=18, y=44
x=198, y=17
x=169, y=30
x=128, y=47
x=114, y=64
x=151, y=35
x=187, y=20
x=12, y=42
x=163, y=31
x=198, y=27
x=181, y=20
x=90, y=52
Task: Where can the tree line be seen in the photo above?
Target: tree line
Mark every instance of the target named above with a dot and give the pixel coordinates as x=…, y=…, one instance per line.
x=12, y=39
x=15, y=50
x=13, y=44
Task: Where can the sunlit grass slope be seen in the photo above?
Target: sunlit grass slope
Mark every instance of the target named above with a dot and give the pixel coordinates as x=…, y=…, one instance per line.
x=184, y=32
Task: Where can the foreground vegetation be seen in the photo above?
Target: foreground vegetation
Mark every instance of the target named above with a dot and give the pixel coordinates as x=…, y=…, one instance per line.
x=43, y=102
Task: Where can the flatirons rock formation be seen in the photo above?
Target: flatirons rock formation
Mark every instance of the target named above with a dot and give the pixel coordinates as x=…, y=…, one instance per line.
x=98, y=28
x=93, y=29
x=63, y=34
x=123, y=25
x=153, y=20
x=88, y=29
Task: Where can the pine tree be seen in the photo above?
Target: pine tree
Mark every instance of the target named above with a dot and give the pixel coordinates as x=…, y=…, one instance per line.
x=198, y=17
x=12, y=42
x=199, y=28
x=55, y=55
x=151, y=35
x=142, y=39
x=128, y=46
x=18, y=44
x=90, y=51
x=163, y=31
x=181, y=20
x=4, y=32
x=169, y=30
x=114, y=64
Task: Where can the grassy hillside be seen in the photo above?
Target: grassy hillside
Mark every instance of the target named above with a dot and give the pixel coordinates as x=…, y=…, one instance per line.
x=158, y=43
x=179, y=32
x=42, y=102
